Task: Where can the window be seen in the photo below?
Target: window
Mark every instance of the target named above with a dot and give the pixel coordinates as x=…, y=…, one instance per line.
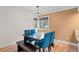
x=42, y=23
x=35, y=22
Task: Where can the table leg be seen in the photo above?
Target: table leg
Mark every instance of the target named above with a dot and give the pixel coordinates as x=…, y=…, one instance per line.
x=19, y=48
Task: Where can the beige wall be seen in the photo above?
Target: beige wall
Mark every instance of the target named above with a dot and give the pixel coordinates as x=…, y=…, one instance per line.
x=63, y=23
x=75, y=22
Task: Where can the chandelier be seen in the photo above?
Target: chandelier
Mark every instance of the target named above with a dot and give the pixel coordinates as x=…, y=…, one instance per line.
x=37, y=15
x=37, y=11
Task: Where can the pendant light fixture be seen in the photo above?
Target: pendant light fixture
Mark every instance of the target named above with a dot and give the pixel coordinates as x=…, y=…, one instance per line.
x=37, y=15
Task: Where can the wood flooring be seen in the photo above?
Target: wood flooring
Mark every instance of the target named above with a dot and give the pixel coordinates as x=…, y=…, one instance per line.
x=57, y=48
x=10, y=48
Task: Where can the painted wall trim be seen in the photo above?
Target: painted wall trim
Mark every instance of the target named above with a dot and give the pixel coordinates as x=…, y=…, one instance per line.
x=65, y=42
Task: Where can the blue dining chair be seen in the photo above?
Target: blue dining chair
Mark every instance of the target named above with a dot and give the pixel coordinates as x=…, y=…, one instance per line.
x=44, y=43
x=51, y=40
x=28, y=34
x=32, y=32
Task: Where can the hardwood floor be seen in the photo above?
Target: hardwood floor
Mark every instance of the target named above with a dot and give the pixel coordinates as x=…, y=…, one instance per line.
x=57, y=48
x=65, y=48
x=11, y=48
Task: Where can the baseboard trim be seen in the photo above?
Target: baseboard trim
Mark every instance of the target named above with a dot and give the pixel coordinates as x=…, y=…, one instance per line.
x=8, y=44
x=65, y=42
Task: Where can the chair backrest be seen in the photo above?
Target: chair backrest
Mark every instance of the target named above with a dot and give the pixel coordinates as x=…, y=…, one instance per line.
x=32, y=32
x=52, y=37
x=46, y=40
x=29, y=32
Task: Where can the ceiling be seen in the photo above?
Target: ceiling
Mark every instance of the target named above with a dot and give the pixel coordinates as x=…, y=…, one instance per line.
x=44, y=9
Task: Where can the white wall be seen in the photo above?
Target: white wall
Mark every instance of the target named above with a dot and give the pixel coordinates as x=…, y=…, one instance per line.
x=13, y=21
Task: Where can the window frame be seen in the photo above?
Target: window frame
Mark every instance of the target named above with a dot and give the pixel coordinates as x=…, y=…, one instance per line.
x=38, y=21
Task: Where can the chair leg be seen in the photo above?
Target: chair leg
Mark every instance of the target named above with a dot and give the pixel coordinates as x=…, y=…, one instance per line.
x=52, y=45
x=49, y=48
x=43, y=50
x=39, y=49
